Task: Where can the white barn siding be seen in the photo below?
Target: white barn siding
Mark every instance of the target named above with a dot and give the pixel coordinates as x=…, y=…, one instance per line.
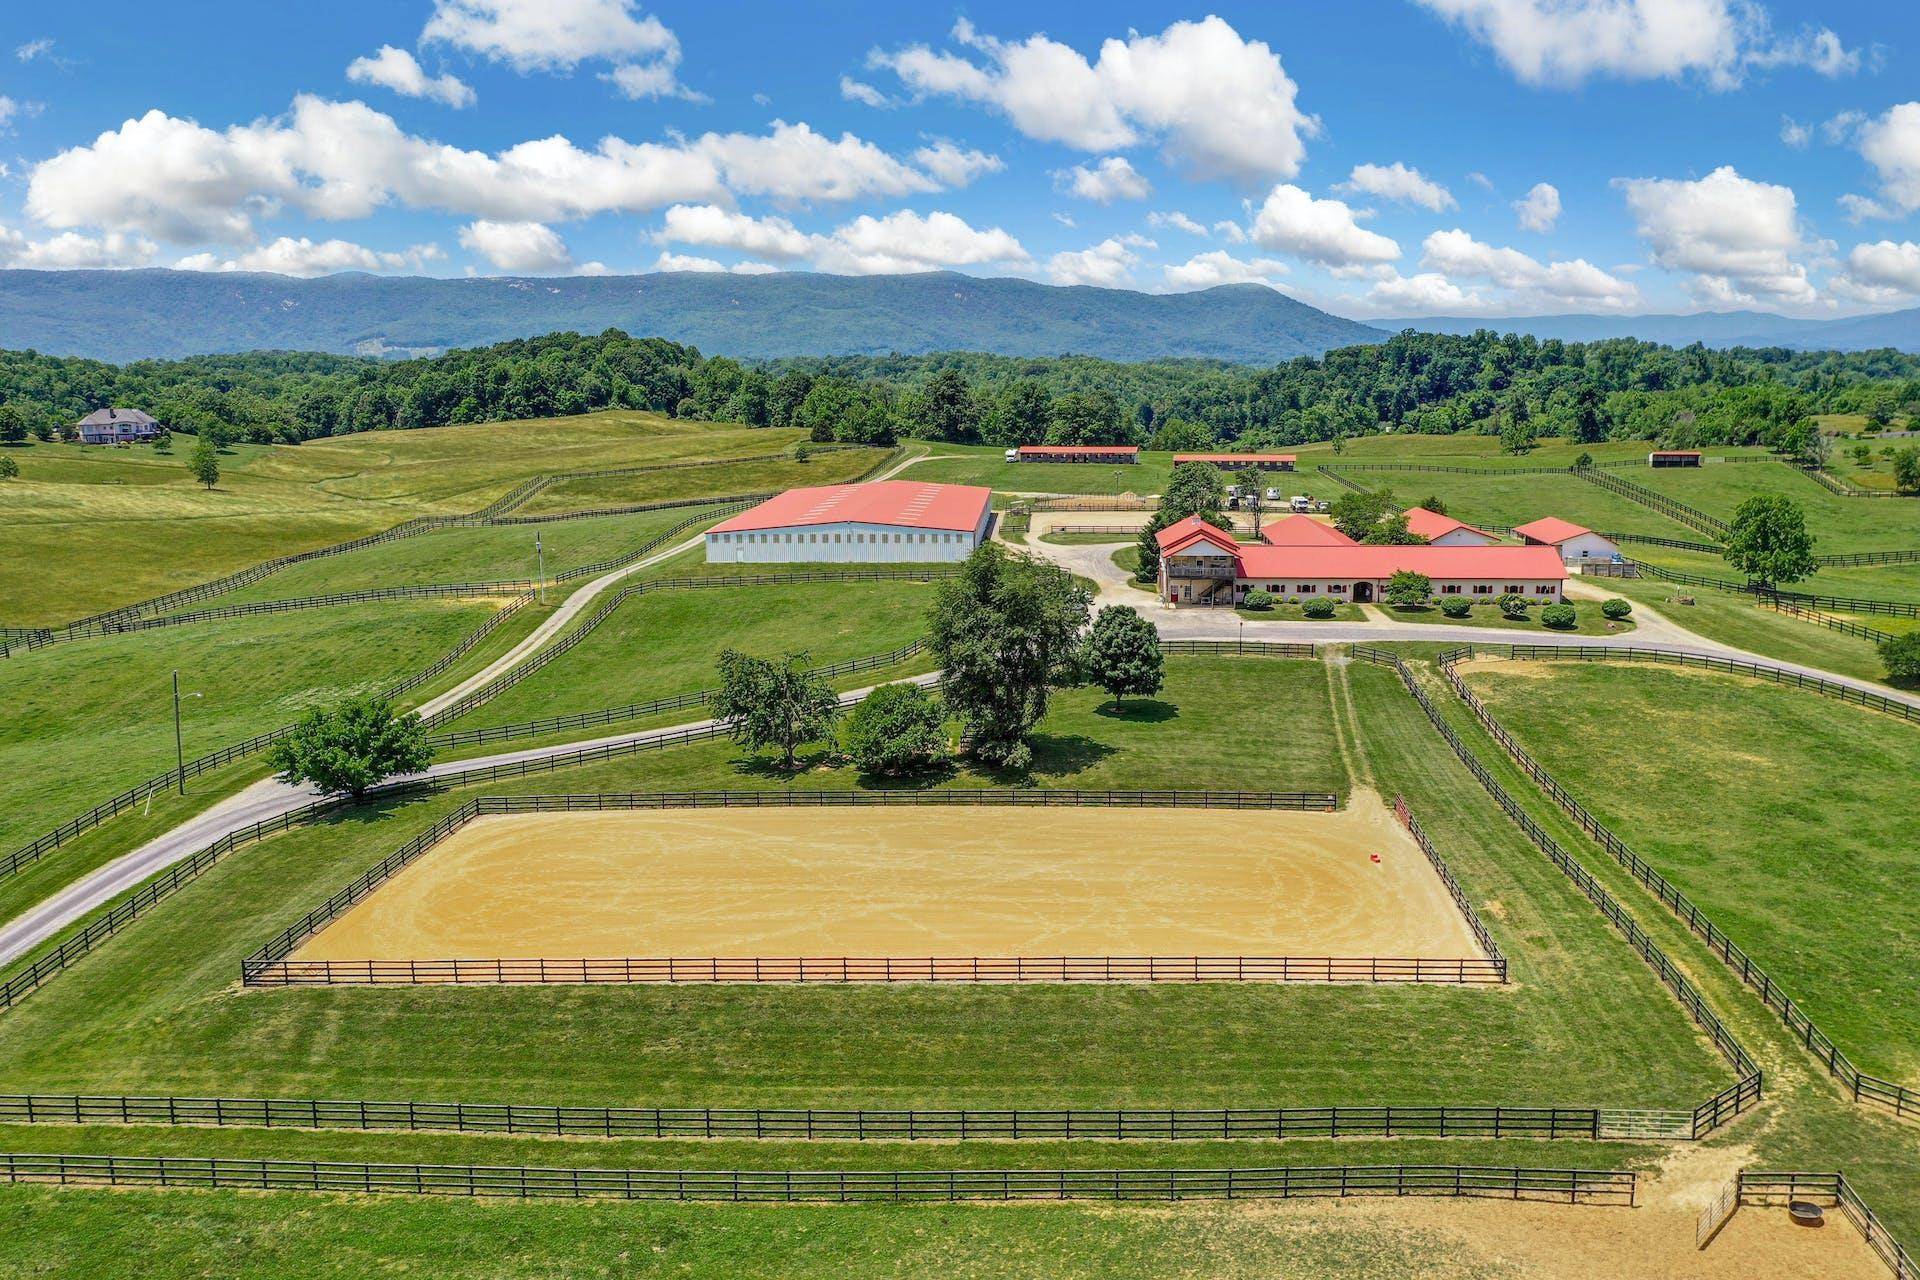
x=1587, y=546
x=846, y=543
x=1463, y=538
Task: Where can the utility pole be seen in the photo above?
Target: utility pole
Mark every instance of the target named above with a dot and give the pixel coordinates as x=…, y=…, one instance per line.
x=541, y=595
x=179, y=747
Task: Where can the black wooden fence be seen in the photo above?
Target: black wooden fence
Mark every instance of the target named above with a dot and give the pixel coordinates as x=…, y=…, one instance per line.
x=1672, y=508
x=1899, y=1098
x=1856, y=558
x=1571, y=1186
x=1847, y=604
x=1746, y=1089
x=1714, y=662
x=1843, y=625
x=1765, y=1187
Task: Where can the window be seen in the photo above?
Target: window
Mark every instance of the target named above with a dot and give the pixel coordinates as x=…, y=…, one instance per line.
x=1306, y=589
x=1336, y=588
x=1483, y=588
x=1273, y=588
x=1513, y=589
x=1450, y=589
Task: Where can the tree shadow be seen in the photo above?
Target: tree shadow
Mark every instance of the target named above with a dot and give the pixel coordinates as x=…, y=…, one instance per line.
x=1057, y=755
x=1139, y=711
x=775, y=767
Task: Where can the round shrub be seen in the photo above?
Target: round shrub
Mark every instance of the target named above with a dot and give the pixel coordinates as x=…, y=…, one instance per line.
x=1615, y=609
x=1318, y=607
x=1455, y=607
x=1512, y=606
x=1257, y=599
x=1558, y=616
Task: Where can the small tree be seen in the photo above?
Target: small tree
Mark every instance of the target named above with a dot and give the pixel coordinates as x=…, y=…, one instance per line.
x=1406, y=589
x=1583, y=462
x=897, y=729
x=1901, y=654
x=8, y=467
x=204, y=462
x=354, y=745
x=1122, y=655
x=1393, y=532
x=1615, y=609
x=1769, y=542
x=1559, y=616
x=773, y=704
x=162, y=440
x=1355, y=514
x=1434, y=505
x=1516, y=436
x=1906, y=470
x=1456, y=606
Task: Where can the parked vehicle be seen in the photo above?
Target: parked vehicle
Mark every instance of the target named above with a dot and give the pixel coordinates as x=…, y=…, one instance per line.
x=1013, y=455
x=1273, y=495
x=1301, y=502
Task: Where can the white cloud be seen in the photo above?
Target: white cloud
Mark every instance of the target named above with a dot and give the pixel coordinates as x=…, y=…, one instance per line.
x=1064, y=219
x=527, y=248
x=1230, y=231
x=304, y=257
x=1566, y=42
x=400, y=71
x=1457, y=255
x=1219, y=105
x=1178, y=221
x=175, y=180
x=72, y=251
x=1480, y=180
x=1397, y=182
x=1539, y=209
x=8, y=109
x=1205, y=270
x=955, y=166
x=1881, y=273
x=1891, y=144
x=860, y=91
x=1322, y=231
x=687, y=262
x=33, y=49
x=1794, y=134
x=899, y=242
x=1737, y=236
x=1108, y=264
x=1113, y=178
x=1425, y=294
x=559, y=35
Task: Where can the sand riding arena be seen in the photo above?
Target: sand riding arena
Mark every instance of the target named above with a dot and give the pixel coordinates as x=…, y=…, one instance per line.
x=1112, y=888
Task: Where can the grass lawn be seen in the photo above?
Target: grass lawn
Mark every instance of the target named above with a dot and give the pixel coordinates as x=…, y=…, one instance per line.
x=1588, y=619
x=1804, y=851
x=85, y=529
x=1284, y=612
x=1838, y=524
x=483, y=553
x=1867, y=582
x=1585, y=1024
x=749, y=475
x=1089, y=539
x=669, y=642
x=1505, y=501
x=1477, y=450
x=86, y=720
x=1738, y=620
x=986, y=464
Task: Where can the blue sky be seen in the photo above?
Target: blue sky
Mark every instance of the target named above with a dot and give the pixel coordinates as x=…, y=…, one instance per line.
x=1375, y=158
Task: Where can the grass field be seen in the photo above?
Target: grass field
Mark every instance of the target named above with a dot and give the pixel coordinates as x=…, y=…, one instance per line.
x=1839, y=524
x=1869, y=582
x=758, y=475
x=1588, y=619
x=1585, y=1022
x=1284, y=612
x=1505, y=501
x=1802, y=852
x=1738, y=620
x=85, y=529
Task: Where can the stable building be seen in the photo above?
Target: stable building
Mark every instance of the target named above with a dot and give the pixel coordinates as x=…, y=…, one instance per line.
x=1124, y=453
x=1240, y=461
x=1674, y=458
x=1202, y=564
x=1444, y=531
x=1575, y=544
x=885, y=522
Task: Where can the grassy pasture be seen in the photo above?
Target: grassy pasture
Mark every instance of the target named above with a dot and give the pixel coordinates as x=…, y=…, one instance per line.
x=1585, y=1022
x=756, y=475
x=1738, y=620
x=1870, y=582
x=1802, y=849
x=85, y=529
x=1839, y=524
x=1506, y=501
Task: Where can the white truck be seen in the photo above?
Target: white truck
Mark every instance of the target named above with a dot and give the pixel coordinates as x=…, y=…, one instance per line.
x=1300, y=502
x=1013, y=455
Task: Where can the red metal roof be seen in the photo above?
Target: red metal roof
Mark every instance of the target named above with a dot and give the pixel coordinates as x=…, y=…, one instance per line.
x=1183, y=533
x=1431, y=524
x=1229, y=459
x=1077, y=450
x=1550, y=529
x=1676, y=453
x=1452, y=564
x=1303, y=531
x=906, y=503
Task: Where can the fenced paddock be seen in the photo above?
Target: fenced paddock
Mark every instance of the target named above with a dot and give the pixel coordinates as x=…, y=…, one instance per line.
x=920, y=887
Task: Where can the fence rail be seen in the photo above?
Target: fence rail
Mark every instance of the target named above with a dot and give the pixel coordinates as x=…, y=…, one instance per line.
x=1857, y=558
x=1673, y=509
x=1712, y=662
x=1831, y=623
x=1092, y=502
x=1460, y=900
x=1573, y=1186
x=1715, y=1111
x=1896, y=1097
x=1765, y=1187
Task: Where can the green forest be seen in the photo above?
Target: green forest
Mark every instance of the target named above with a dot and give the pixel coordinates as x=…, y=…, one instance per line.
x=1437, y=383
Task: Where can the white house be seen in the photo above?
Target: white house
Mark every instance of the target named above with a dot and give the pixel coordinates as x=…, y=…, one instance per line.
x=1444, y=531
x=1575, y=544
x=116, y=426
x=887, y=522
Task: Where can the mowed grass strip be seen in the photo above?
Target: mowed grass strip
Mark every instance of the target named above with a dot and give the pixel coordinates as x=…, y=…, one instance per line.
x=88, y=719
x=90, y=528
x=1785, y=815
x=158, y=1009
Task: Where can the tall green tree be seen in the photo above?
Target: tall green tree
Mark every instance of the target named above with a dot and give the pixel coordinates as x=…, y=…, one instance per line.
x=1407, y=588
x=1020, y=414
x=946, y=409
x=204, y=462
x=1357, y=512
x=1906, y=470
x=773, y=704
x=1088, y=417
x=1768, y=541
x=1122, y=654
x=1193, y=489
x=1393, y=532
x=1002, y=631
x=350, y=747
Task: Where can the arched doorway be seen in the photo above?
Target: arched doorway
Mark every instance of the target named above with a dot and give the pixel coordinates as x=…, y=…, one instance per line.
x=1363, y=593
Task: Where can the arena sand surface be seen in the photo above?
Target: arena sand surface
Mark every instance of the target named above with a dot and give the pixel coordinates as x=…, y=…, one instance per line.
x=968, y=880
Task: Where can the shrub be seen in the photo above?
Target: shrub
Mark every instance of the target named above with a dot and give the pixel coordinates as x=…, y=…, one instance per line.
x=897, y=729
x=1558, y=616
x=1407, y=589
x=1902, y=656
x=1615, y=608
x=1318, y=607
x=1512, y=606
x=1257, y=599
x=1455, y=607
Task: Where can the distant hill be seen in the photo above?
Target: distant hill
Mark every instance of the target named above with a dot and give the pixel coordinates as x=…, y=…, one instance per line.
x=1897, y=329
x=129, y=315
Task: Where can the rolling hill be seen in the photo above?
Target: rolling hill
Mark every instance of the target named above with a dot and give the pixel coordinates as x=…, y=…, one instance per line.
x=1897, y=329
x=130, y=315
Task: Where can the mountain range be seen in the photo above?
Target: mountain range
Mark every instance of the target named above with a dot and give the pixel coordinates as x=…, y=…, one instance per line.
x=132, y=315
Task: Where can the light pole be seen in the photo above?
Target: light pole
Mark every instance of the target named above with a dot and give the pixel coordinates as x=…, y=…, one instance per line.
x=179, y=748
x=540, y=552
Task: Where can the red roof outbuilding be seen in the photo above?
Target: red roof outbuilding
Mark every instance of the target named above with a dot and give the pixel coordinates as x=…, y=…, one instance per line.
x=1078, y=450
x=1550, y=530
x=956, y=507
x=1303, y=531
x=1431, y=524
